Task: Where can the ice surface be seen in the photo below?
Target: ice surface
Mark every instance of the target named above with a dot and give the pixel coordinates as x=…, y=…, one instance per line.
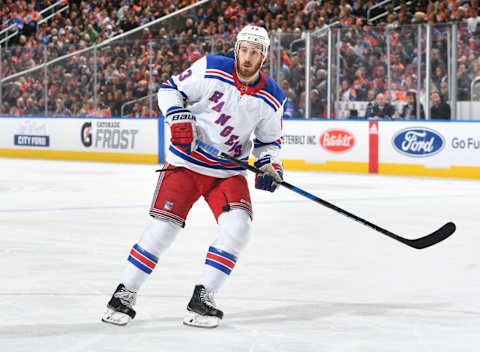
x=310, y=280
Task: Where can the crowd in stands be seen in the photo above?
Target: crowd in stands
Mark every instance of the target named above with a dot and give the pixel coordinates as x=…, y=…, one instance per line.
x=122, y=71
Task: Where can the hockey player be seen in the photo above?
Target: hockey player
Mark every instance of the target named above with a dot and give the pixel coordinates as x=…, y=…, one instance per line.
x=222, y=102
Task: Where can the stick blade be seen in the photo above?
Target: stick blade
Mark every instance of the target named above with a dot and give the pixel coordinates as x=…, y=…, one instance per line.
x=435, y=237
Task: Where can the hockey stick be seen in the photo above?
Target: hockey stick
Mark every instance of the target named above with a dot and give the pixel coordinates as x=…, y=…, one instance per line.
x=423, y=242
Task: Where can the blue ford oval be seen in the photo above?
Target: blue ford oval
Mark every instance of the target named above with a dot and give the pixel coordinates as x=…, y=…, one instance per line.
x=418, y=142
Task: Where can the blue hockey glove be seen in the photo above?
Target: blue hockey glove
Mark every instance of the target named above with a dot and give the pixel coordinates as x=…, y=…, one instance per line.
x=183, y=127
x=272, y=173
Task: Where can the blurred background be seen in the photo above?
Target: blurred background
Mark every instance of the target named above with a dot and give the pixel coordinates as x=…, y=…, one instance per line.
x=334, y=59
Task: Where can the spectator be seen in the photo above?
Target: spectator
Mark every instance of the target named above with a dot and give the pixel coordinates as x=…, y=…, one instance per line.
x=78, y=109
x=439, y=109
x=109, y=33
x=298, y=42
x=317, y=103
x=60, y=109
x=146, y=111
x=472, y=21
x=444, y=91
x=409, y=110
x=118, y=101
x=360, y=9
x=371, y=102
x=90, y=35
x=129, y=21
x=419, y=17
x=21, y=107
x=408, y=83
x=439, y=76
x=14, y=111
x=380, y=81
x=320, y=27
x=146, y=37
x=137, y=110
x=463, y=83
x=475, y=71
x=5, y=109
x=361, y=85
x=347, y=92
x=289, y=110
x=381, y=108
x=437, y=60
x=103, y=110
x=301, y=105
x=15, y=19
x=32, y=108
x=30, y=19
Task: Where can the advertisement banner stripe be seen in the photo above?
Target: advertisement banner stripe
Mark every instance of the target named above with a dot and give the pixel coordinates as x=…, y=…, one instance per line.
x=373, y=147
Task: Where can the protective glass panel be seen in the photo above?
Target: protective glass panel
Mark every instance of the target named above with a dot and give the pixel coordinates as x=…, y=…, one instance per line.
x=286, y=65
x=319, y=73
x=23, y=94
x=123, y=77
x=405, y=71
x=441, y=72
x=378, y=66
x=70, y=84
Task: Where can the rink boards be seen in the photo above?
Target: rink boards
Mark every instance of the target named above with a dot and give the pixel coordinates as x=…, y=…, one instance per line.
x=114, y=140
x=417, y=148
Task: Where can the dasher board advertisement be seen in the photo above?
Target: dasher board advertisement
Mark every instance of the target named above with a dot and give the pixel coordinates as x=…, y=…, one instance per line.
x=81, y=138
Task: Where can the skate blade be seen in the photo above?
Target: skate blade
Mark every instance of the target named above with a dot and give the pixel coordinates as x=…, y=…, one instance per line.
x=200, y=321
x=116, y=318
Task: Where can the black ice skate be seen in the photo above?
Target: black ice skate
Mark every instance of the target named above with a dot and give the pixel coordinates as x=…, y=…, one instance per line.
x=120, y=307
x=202, y=311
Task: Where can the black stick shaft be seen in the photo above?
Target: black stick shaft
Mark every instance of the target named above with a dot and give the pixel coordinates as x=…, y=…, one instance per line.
x=419, y=243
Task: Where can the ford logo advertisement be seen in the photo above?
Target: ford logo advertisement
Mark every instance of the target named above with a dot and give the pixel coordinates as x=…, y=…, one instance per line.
x=418, y=142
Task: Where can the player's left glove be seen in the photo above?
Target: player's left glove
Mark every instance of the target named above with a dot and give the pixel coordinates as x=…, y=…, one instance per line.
x=182, y=126
x=272, y=173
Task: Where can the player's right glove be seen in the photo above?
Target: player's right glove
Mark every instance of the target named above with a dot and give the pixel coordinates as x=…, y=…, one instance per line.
x=272, y=173
x=182, y=126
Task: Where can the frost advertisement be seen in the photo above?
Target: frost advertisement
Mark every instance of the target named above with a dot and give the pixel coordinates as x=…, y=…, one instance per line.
x=326, y=140
x=124, y=136
x=430, y=143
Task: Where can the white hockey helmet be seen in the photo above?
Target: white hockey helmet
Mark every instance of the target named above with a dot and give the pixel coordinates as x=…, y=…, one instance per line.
x=253, y=34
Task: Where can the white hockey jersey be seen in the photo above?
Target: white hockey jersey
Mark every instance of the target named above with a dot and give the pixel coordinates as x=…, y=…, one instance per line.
x=228, y=113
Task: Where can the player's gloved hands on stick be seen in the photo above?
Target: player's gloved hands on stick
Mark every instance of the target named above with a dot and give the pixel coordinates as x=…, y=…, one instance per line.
x=183, y=127
x=272, y=173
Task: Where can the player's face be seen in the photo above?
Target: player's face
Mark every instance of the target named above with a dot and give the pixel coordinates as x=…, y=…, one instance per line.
x=249, y=59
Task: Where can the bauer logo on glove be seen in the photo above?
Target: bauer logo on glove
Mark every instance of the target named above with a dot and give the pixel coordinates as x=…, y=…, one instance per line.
x=182, y=127
x=272, y=174
x=178, y=117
